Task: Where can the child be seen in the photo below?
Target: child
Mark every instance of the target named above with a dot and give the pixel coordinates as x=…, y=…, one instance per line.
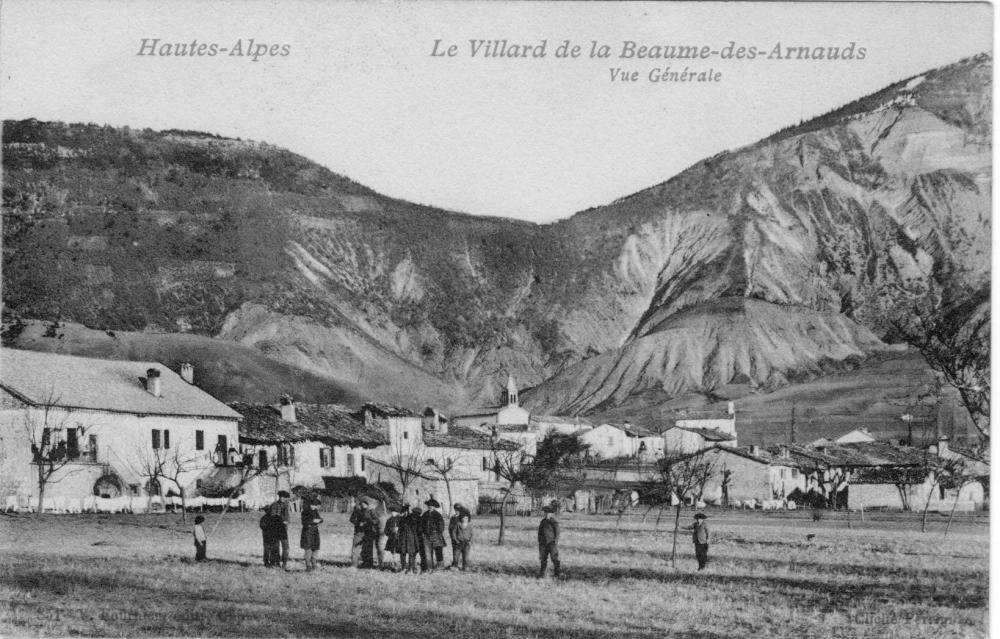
x=462, y=542
x=699, y=534
x=391, y=532
x=548, y=541
x=200, y=539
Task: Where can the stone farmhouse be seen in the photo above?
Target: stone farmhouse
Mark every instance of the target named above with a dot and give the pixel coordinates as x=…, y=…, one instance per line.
x=692, y=435
x=294, y=445
x=113, y=419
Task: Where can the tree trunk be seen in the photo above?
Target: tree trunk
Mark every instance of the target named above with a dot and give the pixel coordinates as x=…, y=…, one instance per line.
x=677, y=526
x=954, y=505
x=503, y=505
x=184, y=510
x=42, y=480
x=447, y=487
x=927, y=506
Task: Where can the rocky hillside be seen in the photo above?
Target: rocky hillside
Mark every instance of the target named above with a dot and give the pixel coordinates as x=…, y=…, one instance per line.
x=752, y=272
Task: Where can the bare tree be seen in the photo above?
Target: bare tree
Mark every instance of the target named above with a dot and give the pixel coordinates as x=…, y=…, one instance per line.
x=511, y=466
x=682, y=476
x=445, y=469
x=51, y=433
x=408, y=459
x=178, y=463
x=943, y=473
x=951, y=329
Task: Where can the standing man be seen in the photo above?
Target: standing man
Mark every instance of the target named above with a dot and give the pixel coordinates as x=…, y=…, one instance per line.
x=453, y=525
x=700, y=537
x=548, y=541
x=280, y=510
x=434, y=542
x=361, y=522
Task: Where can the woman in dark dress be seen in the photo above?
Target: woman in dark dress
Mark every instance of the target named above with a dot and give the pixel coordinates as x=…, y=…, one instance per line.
x=309, y=540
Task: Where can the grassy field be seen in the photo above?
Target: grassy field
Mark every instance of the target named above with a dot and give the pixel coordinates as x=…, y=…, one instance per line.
x=133, y=576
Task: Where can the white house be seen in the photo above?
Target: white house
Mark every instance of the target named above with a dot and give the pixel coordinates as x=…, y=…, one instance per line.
x=607, y=441
x=112, y=420
x=691, y=435
x=684, y=439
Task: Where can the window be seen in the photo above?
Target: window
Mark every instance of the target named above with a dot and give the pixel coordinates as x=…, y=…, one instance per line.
x=611, y=440
x=325, y=456
x=262, y=459
x=92, y=448
x=199, y=440
x=486, y=464
x=350, y=462
x=166, y=439
x=221, y=450
x=286, y=455
x=362, y=463
x=406, y=434
x=795, y=473
x=72, y=443
x=156, y=439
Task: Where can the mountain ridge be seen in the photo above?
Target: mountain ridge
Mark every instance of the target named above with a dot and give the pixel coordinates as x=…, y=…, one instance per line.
x=825, y=216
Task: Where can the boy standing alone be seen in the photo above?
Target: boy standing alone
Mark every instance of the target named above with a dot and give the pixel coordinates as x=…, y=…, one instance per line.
x=548, y=541
x=700, y=537
x=200, y=539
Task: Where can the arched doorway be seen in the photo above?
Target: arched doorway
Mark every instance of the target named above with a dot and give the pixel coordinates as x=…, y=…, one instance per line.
x=109, y=486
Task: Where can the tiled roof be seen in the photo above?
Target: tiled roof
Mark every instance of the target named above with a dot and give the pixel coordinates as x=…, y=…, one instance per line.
x=461, y=437
x=390, y=411
x=558, y=419
x=331, y=424
x=708, y=434
x=103, y=384
x=860, y=454
x=889, y=475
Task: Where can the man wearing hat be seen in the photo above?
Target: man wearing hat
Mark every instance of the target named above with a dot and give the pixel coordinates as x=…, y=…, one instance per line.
x=700, y=536
x=279, y=510
x=365, y=523
x=548, y=541
x=434, y=543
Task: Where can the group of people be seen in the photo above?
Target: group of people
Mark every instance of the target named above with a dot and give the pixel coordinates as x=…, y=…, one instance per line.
x=409, y=532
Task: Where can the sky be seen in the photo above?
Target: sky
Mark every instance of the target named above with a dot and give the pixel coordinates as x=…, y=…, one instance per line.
x=538, y=139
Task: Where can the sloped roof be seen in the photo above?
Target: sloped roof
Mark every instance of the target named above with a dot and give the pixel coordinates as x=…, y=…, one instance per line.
x=103, y=384
x=331, y=424
x=462, y=437
x=708, y=434
x=558, y=419
x=889, y=475
x=860, y=454
x=390, y=411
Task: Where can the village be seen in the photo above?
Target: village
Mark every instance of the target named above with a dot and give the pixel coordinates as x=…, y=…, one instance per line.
x=93, y=435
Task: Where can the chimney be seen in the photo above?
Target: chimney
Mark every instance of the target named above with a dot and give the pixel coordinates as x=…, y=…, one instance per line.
x=754, y=449
x=287, y=408
x=784, y=451
x=942, y=446
x=153, y=382
x=731, y=408
x=187, y=372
